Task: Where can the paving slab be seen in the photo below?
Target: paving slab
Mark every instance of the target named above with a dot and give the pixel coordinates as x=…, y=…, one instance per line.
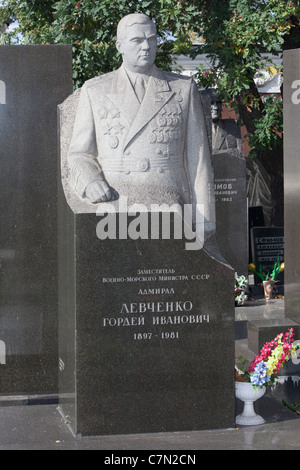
x=41, y=427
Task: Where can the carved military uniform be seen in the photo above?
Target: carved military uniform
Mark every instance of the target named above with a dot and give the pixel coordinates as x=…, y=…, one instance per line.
x=160, y=143
x=226, y=135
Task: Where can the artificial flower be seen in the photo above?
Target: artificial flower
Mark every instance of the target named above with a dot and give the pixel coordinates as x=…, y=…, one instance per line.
x=265, y=365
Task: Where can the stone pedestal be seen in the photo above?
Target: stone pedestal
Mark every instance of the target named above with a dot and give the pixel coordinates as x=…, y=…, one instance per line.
x=146, y=334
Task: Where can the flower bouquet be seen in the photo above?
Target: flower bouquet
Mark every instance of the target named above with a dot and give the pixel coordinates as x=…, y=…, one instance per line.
x=240, y=289
x=262, y=371
x=278, y=268
x=268, y=279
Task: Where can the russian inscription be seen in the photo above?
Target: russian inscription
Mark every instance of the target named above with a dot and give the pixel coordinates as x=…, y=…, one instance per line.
x=153, y=313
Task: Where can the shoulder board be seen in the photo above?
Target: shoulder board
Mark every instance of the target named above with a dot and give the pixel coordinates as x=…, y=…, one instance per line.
x=98, y=80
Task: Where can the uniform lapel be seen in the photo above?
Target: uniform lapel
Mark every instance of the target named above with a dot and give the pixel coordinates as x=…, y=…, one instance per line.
x=158, y=93
x=220, y=137
x=123, y=96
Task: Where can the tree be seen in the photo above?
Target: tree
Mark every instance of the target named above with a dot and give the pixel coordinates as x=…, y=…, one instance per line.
x=90, y=26
x=240, y=36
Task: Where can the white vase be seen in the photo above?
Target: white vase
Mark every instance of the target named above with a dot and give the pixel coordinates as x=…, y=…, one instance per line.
x=245, y=392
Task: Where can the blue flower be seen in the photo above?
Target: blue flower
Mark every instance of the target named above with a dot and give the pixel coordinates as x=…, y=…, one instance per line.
x=259, y=376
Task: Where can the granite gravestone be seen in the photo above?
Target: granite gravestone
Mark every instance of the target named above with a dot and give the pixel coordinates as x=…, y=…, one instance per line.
x=291, y=103
x=33, y=80
x=266, y=329
x=146, y=316
x=230, y=185
x=267, y=243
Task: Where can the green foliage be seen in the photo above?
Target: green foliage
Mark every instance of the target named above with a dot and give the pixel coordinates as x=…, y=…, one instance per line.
x=295, y=407
x=90, y=26
x=241, y=36
x=269, y=128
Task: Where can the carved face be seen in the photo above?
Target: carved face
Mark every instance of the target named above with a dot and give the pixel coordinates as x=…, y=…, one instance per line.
x=138, y=47
x=216, y=108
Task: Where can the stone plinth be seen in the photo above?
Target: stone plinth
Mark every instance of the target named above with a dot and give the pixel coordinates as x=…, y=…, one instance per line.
x=146, y=334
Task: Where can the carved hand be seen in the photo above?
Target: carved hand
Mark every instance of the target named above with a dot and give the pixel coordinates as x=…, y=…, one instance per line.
x=100, y=191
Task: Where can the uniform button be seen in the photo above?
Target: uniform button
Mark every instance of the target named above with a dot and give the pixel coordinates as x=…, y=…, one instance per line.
x=160, y=170
x=143, y=164
x=127, y=152
x=127, y=171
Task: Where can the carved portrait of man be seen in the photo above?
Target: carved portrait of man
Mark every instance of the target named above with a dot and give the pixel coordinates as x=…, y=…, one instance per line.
x=226, y=134
x=140, y=131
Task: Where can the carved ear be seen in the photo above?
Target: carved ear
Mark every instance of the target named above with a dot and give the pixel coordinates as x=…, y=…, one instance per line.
x=119, y=47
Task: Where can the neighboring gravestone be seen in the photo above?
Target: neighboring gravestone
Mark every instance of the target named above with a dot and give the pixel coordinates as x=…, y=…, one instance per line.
x=291, y=108
x=270, y=241
x=146, y=316
x=33, y=80
x=267, y=244
x=231, y=209
x=230, y=185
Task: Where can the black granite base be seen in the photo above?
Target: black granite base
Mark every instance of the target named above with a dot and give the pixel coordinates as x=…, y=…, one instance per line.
x=262, y=331
x=146, y=334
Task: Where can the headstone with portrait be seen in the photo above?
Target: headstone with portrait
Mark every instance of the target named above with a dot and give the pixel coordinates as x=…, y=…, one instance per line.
x=230, y=185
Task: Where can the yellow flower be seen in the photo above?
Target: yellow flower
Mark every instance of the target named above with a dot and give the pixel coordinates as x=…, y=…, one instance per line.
x=251, y=266
x=281, y=267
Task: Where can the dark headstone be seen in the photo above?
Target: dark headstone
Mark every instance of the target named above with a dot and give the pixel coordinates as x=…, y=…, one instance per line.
x=150, y=328
x=230, y=182
x=255, y=219
x=291, y=115
x=231, y=209
x=33, y=80
x=267, y=243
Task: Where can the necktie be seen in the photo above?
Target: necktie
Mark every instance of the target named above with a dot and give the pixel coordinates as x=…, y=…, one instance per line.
x=139, y=87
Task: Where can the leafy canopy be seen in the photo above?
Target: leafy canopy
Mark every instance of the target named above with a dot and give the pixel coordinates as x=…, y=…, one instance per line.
x=90, y=26
x=239, y=37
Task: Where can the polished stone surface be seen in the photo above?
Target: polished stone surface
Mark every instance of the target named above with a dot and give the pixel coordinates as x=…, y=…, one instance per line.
x=34, y=80
x=42, y=428
x=259, y=309
x=231, y=209
x=291, y=123
x=142, y=334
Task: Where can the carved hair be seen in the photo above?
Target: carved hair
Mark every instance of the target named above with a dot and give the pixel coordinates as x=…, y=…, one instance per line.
x=130, y=20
